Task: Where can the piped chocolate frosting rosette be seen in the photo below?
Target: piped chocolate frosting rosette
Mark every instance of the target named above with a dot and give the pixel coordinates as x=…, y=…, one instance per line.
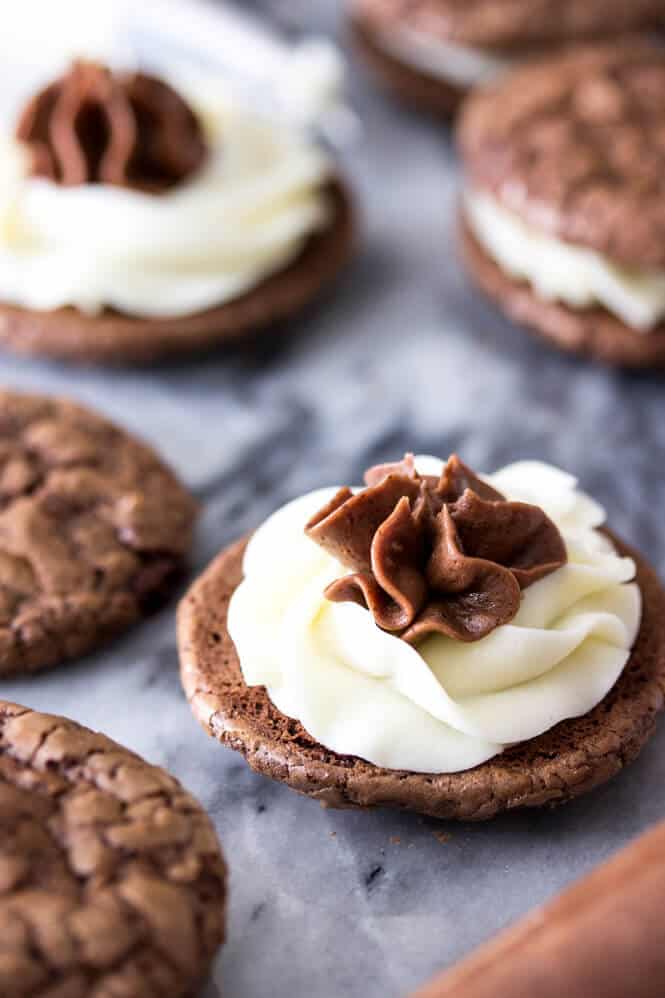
x=446, y=555
x=125, y=129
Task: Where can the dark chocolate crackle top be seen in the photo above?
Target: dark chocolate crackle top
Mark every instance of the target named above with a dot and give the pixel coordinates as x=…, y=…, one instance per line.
x=576, y=146
x=112, y=881
x=94, y=529
x=513, y=23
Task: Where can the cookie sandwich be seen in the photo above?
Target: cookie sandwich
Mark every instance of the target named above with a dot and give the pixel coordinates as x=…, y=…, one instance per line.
x=137, y=221
x=431, y=53
x=563, y=208
x=94, y=531
x=441, y=641
x=113, y=881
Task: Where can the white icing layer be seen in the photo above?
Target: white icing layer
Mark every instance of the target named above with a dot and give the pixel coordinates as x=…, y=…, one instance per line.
x=245, y=215
x=463, y=65
x=445, y=706
x=560, y=271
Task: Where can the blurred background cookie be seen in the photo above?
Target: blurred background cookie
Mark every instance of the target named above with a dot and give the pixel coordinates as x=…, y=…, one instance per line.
x=433, y=52
x=563, y=210
x=138, y=221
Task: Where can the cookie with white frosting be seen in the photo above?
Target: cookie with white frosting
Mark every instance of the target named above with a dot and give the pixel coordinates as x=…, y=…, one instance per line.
x=563, y=212
x=431, y=53
x=137, y=222
x=440, y=641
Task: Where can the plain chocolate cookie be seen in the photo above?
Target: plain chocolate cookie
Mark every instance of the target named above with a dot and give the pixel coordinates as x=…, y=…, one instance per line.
x=565, y=762
x=94, y=531
x=517, y=28
x=112, y=881
x=115, y=338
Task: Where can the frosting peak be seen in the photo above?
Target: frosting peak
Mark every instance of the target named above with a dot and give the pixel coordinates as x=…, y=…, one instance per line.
x=125, y=129
x=445, y=555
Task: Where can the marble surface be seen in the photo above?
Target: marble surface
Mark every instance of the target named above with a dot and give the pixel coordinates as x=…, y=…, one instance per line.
x=403, y=356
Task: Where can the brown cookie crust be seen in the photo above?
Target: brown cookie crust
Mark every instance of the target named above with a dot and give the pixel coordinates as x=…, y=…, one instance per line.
x=113, y=338
x=512, y=23
x=575, y=145
x=565, y=762
x=592, y=332
x=413, y=86
x=94, y=531
x=112, y=881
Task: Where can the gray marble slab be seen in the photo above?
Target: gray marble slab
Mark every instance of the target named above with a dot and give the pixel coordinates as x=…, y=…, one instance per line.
x=403, y=356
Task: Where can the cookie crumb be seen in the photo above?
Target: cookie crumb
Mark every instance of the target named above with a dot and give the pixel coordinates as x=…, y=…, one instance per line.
x=442, y=837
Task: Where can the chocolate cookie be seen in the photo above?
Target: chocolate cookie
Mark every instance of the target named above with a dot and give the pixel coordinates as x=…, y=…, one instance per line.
x=515, y=31
x=409, y=83
x=565, y=762
x=593, y=332
x=112, y=881
x=94, y=530
x=114, y=338
x=574, y=148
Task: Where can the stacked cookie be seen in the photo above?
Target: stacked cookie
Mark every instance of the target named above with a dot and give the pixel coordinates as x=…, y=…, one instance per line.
x=434, y=52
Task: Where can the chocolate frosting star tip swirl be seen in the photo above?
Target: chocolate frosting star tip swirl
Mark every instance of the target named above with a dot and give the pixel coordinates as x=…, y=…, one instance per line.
x=426, y=555
x=130, y=130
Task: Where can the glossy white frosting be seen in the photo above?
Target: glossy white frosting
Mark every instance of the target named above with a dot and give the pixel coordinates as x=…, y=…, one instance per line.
x=463, y=65
x=243, y=216
x=560, y=271
x=445, y=706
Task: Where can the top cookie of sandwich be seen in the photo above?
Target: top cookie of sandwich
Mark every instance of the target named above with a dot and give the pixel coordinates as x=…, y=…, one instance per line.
x=575, y=146
x=509, y=23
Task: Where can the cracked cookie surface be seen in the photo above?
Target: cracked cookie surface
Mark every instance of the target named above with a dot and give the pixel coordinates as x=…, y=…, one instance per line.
x=94, y=530
x=512, y=23
x=112, y=881
x=565, y=762
x=575, y=145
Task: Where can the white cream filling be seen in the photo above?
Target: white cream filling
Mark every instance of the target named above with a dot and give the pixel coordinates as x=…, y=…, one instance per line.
x=445, y=706
x=464, y=65
x=245, y=215
x=560, y=271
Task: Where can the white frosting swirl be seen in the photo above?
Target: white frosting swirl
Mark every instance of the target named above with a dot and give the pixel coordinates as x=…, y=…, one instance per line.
x=560, y=271
x=245, y=215
x=445, y=706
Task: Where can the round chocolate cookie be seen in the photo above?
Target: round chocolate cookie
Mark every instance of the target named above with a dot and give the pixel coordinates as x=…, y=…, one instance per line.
x=565, y=762
x=409, y=83
x=593, y=332
x=515, y=30
x=94, y=531
x=112, y=880
x=575, y=147
x=115, y=338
